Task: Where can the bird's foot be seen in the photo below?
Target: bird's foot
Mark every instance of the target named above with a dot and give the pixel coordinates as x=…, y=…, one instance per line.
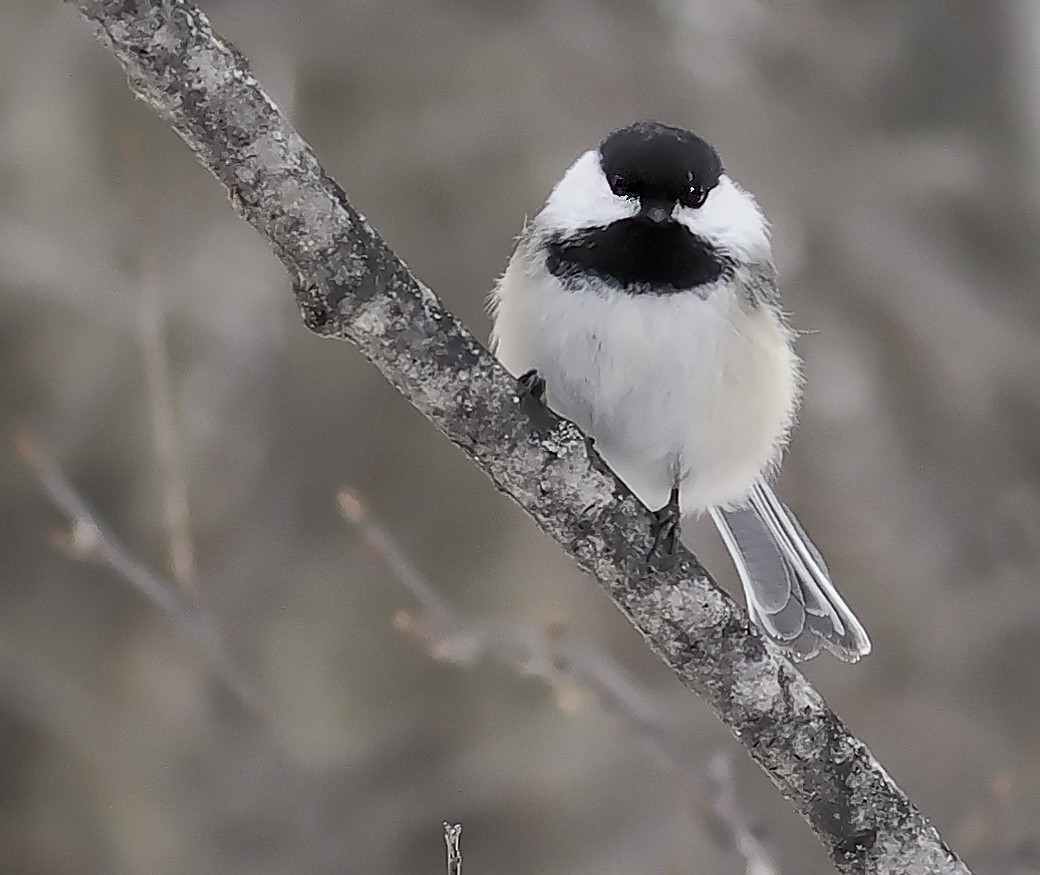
x=665, y=531
x=531, y=393
x=532, y=386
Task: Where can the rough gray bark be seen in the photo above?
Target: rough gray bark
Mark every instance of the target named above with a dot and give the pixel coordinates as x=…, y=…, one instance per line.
x=350, y=285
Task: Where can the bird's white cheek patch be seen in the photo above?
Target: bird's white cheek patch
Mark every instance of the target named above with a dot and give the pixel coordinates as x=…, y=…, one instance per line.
x=731, y=220
x=582, y=199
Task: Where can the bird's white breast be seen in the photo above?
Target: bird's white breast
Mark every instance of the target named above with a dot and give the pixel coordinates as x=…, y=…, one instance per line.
x=702, y=389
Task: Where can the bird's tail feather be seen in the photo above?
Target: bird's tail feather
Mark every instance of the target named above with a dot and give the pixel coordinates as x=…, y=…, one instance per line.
x=786, y=582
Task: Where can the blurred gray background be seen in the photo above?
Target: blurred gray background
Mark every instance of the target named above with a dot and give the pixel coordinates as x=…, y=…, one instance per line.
x=895, y=147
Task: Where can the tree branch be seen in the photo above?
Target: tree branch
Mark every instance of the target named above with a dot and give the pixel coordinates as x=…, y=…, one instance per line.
x=351, y=286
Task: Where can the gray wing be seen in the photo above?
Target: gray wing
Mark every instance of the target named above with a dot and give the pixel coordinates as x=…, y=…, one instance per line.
x=786, y=582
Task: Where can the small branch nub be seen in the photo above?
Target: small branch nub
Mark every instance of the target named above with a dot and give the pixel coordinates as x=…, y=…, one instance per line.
x=452, y=832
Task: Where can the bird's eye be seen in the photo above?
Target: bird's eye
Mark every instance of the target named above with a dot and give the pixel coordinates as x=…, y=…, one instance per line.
x=619, y=185
x=695, y=196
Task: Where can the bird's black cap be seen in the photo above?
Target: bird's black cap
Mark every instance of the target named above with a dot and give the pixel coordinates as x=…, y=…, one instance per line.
x=658, y=162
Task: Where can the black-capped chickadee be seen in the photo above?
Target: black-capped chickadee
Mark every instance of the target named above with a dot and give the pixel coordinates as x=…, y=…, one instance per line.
x=644, y=295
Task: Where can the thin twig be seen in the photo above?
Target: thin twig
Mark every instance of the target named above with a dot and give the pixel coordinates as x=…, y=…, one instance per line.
x=173, y=481
x=452, y=834
x=385, y=548
x=88, y=539
x=573, y=669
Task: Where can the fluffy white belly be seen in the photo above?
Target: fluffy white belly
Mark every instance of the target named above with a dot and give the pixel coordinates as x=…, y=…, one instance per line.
x=672, y=387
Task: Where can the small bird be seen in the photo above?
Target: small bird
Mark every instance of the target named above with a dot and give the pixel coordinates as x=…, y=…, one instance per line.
x=642, y=302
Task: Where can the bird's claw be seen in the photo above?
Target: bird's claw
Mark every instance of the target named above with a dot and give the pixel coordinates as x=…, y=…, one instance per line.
x=531, y=395
x=665, y=531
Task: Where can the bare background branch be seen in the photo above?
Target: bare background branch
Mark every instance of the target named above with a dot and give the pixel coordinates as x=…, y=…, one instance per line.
x=576, y=671
x=88, y=539
x=168, y=455
x=894, y=148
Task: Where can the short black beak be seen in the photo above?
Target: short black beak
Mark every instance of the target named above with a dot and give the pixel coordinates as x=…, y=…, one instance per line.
x=656, y=211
